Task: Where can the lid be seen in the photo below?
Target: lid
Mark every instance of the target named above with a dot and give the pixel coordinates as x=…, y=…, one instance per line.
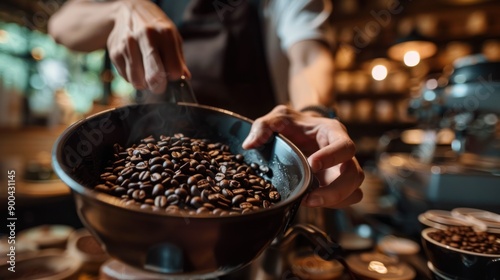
x=393, y=245
x=116, y=270
x=84, y=246
x=48, y=264
x=490, y=219
x=47, y=236
x=307, y=265
x=442, y=219
x=353, y=242
x=374, y=265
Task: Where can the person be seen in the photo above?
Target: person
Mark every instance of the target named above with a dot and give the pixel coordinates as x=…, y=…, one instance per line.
x=267, y=60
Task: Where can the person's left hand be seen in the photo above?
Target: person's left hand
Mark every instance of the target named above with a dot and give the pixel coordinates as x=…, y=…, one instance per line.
x=330, y=152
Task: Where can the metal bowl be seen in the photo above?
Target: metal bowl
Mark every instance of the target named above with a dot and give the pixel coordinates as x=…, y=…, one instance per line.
x=176, y=244
x=459, y=264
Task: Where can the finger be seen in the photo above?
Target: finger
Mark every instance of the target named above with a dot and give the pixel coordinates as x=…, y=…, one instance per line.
x=354, y=198
x=340, y=149
x=185, y=70
x=119, y=62
x=346, y=174
x=156, y=77
x=264, y=127
x=134, y=64
x=171, y=54
x=350, y=178
x=154, y=70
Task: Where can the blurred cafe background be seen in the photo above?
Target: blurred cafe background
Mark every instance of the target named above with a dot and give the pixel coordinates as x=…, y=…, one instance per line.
x=417, y=86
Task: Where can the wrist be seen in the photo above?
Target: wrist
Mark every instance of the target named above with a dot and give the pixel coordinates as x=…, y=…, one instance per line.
x=320, y=111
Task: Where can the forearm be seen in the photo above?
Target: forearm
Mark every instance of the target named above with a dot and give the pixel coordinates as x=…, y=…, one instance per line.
x=83, y=25
x=311, y=74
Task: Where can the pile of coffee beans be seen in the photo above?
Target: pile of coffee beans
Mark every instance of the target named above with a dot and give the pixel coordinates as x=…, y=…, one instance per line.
x=182, y=174
x=465, y=238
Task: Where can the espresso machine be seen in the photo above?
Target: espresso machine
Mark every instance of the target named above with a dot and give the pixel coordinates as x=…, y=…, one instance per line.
x=452, y=157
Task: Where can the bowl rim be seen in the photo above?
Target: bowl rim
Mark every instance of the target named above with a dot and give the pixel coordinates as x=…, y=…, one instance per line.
x=307, y=179
x=425, y=234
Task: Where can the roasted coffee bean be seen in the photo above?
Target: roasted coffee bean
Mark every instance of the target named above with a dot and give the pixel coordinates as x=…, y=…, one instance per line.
x=253, y=201
x=219, y=177
x=204, y=195
x=209, y=206
x=158, y=189
x=147, y=187
x=149, y=139
x=156, y=160
x=144, y=175
x=465, y=238
x=274, y=196
x=134, y=177
x=194, y=191
x=202, y=210
x=264, y=169
x=180, y=177
x=227, y=193
x=156, y=168
x=119, y=168
x=239, y=191
x=127, y=171
x=139, y=195
x=192, y=180
x=134, y=185
x=102, y=188
x=130, y=191
x=246, y=205
x=161, y=201
x=151, y=146
x=173, y=199
x=222, y=204
x=182, y=193
x=141, y=166
x=234, y=184
x=156, y=178
x=180, y=173
x=119, y=191
x=149, y=201
x=214, y=197
x=238, y=199
x=266, y=204
x=155, y=154
x=196, y=202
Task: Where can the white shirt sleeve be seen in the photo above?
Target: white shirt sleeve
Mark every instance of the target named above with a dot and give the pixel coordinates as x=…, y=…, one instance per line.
x=297, y=20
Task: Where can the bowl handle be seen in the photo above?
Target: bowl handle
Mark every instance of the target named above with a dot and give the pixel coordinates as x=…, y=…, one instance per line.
x=493, y=269
x=165, y=258
x=320, y=242
x=177, y=91
x=180, y=91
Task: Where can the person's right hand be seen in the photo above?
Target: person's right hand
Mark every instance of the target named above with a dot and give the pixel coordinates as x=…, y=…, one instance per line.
x=145, y=46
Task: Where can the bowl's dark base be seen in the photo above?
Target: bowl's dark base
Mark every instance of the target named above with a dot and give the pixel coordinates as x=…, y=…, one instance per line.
x=168, y=243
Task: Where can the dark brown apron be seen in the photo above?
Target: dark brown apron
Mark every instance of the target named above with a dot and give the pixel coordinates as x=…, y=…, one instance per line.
x=224, y=51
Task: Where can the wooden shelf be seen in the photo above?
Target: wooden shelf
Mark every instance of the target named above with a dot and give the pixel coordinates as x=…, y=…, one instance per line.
x=371, y=95
x=379, y=125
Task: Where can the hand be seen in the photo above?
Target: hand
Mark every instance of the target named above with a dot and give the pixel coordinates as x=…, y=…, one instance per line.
x=145, y=46
x=328, y=147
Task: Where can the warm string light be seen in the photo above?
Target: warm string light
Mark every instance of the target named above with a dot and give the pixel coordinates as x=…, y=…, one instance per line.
x=411, y=58
x=379, y=72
